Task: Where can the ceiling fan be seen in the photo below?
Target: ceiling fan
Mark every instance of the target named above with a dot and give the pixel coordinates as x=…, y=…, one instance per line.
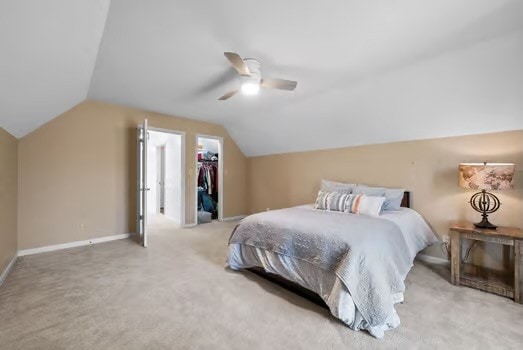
x=251, y=80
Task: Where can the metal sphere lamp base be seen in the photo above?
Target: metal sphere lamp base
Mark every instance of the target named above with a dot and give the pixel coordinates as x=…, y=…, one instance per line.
x=485, y=203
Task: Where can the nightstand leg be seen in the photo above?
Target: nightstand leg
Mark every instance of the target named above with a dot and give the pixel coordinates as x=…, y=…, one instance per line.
x=455, y=258
x=518, y=272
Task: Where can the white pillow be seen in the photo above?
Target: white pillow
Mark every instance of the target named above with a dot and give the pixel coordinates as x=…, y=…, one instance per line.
x=393, y=196
x=368, y=205
x=333, y=186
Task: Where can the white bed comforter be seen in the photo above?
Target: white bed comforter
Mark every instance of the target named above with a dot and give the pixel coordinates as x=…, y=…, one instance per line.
x=357, y=264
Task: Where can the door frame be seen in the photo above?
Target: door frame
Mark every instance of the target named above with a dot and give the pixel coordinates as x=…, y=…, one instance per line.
x=141, y=181
x=182, y=134
x=220, y=175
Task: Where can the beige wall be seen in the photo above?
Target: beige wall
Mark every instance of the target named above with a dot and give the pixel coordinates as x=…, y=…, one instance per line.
x=8, y=198
x=427, y=168
x=77, y=173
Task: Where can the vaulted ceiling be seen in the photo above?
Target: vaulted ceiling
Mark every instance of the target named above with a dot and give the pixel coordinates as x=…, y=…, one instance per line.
x=48, y=50
x=367, y=71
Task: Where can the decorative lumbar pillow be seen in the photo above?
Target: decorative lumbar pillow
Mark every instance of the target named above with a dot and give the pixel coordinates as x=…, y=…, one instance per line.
x=333, y=186
x=349, y=203
x=393, y=196
x=334, y=201
x=363, y=204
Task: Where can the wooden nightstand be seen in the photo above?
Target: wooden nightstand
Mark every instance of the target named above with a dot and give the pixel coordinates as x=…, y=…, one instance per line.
x=506, y=284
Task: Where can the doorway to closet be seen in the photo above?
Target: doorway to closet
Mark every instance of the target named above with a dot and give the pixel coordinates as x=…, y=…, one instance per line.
x=161, y=180
x=209, y=179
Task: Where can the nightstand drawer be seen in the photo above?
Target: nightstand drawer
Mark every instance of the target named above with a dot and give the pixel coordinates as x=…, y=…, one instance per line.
x=479, y=237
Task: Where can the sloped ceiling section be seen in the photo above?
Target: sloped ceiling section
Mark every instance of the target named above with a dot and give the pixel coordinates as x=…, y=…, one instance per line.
x=48, y=50
x=368, y=71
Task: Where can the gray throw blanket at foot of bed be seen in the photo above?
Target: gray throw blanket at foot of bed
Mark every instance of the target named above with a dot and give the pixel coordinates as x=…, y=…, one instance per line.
x=369, y=255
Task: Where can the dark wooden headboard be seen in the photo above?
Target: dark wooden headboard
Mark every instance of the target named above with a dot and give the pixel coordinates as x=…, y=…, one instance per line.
x=405, y=202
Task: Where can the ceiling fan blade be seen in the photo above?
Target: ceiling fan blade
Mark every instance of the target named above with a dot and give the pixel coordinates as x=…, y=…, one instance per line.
x=237, y=63
x=228, y=95
x=280, y=84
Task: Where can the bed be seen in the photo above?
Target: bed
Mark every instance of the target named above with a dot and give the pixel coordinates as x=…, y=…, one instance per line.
x=354, y=264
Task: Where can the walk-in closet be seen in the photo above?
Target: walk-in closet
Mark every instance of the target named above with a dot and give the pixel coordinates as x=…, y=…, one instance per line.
x=209, y=157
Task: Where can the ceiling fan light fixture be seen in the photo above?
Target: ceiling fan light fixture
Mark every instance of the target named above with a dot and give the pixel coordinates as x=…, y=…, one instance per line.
x=250, y=88
x=250, y=77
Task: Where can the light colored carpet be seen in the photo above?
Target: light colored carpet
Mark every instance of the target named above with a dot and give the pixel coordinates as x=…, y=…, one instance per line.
x=176, y=294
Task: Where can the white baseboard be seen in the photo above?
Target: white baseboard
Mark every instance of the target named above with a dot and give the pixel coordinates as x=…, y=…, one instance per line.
x=432, y=259
x=189, y=225
x=51, y=248
x=8, y=269
x=234, y=218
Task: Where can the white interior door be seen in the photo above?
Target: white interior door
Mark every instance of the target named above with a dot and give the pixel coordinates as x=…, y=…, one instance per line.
x=141, y=215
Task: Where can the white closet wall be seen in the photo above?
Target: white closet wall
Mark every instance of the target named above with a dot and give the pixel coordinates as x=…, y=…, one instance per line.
x=173, y=177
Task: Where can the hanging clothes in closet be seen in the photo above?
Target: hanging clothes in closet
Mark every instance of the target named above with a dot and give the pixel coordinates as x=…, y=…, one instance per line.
x=208, y=178
x=208, y=187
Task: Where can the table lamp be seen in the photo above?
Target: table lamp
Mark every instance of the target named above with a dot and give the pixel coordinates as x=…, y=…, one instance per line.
x=486, y=176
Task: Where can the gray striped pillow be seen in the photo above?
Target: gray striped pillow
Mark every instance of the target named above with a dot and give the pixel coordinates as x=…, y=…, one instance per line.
x=334, y=201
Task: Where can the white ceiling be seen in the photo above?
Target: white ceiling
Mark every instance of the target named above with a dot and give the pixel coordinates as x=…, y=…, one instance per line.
x=48, y=52
x=367, y=71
